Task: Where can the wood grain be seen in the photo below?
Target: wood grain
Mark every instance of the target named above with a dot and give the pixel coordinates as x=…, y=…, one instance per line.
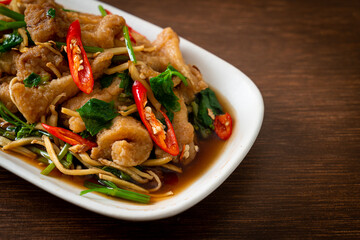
x=301, y=179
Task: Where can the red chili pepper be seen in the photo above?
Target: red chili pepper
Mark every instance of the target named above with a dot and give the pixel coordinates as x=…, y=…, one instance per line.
x=166, y=141
x=108, y=12
x=6, y=2
x=78, y=62
x=223, y=126
x=130, y=34
x=68, y=136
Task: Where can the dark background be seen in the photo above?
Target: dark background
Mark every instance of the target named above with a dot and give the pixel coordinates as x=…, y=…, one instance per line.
x=300, y=179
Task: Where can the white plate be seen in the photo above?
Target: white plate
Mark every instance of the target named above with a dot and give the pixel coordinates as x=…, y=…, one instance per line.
x=239, y=90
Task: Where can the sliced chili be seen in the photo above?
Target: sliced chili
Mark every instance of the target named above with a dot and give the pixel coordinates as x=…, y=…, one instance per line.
x=68, y=136
x=6, y=2
x=108, y=12
x=78, y=62
x=223, y=126
x=165, y=140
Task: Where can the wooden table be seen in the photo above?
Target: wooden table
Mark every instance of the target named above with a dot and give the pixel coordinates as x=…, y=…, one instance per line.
x=300, y=180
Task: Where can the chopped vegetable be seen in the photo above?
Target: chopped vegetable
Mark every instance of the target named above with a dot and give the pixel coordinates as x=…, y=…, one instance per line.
x=68, y=10
x=39, y=152
x=126, y=83
x=106, y=80
x=97, y=115
x=78, y=62
x=64, y=152
x=34, y=80
x=208, y=102
x=12, y=118
x=68, y=161
x=102, y=11
x=128, y=44
x=162, y=87
x=24, y=131
x=12, y=40
x=116, y=192
x=11, y=14
x=117, y=173
x=68, y=136
x=11, y=25
x=166, y=141
x=223, y=126
x=209, y=116
x=51, y=13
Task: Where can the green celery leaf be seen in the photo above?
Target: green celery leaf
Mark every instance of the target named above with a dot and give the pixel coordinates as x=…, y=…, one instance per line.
x=35, y=80
x=121, y=193
x=126, y=82
x=106, y=80
x=199, y=117
x=97, y=115
x=11, y=14
x=11, y=41
x=162, y=87
x=206, y=99
x=51, y=13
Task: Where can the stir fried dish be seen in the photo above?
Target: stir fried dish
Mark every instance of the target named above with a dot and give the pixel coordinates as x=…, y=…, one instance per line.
x=88, y=95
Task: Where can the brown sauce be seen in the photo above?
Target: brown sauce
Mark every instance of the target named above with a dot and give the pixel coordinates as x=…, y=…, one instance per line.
x=209, y=151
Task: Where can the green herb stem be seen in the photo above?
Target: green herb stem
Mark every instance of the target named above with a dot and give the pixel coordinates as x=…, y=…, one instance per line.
x=11, y=25
x=120, y=193
x=43, y=160
x=102, y=11
x=128, y=44
x=61, y=155
x=7, y=134
x=39, y=152
x=68, y=160
x=117, y=172
x=12, y=117
x=92, y=185
x=48, y=169
x=35, y=80
x=11, y=14
x=68, y=10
